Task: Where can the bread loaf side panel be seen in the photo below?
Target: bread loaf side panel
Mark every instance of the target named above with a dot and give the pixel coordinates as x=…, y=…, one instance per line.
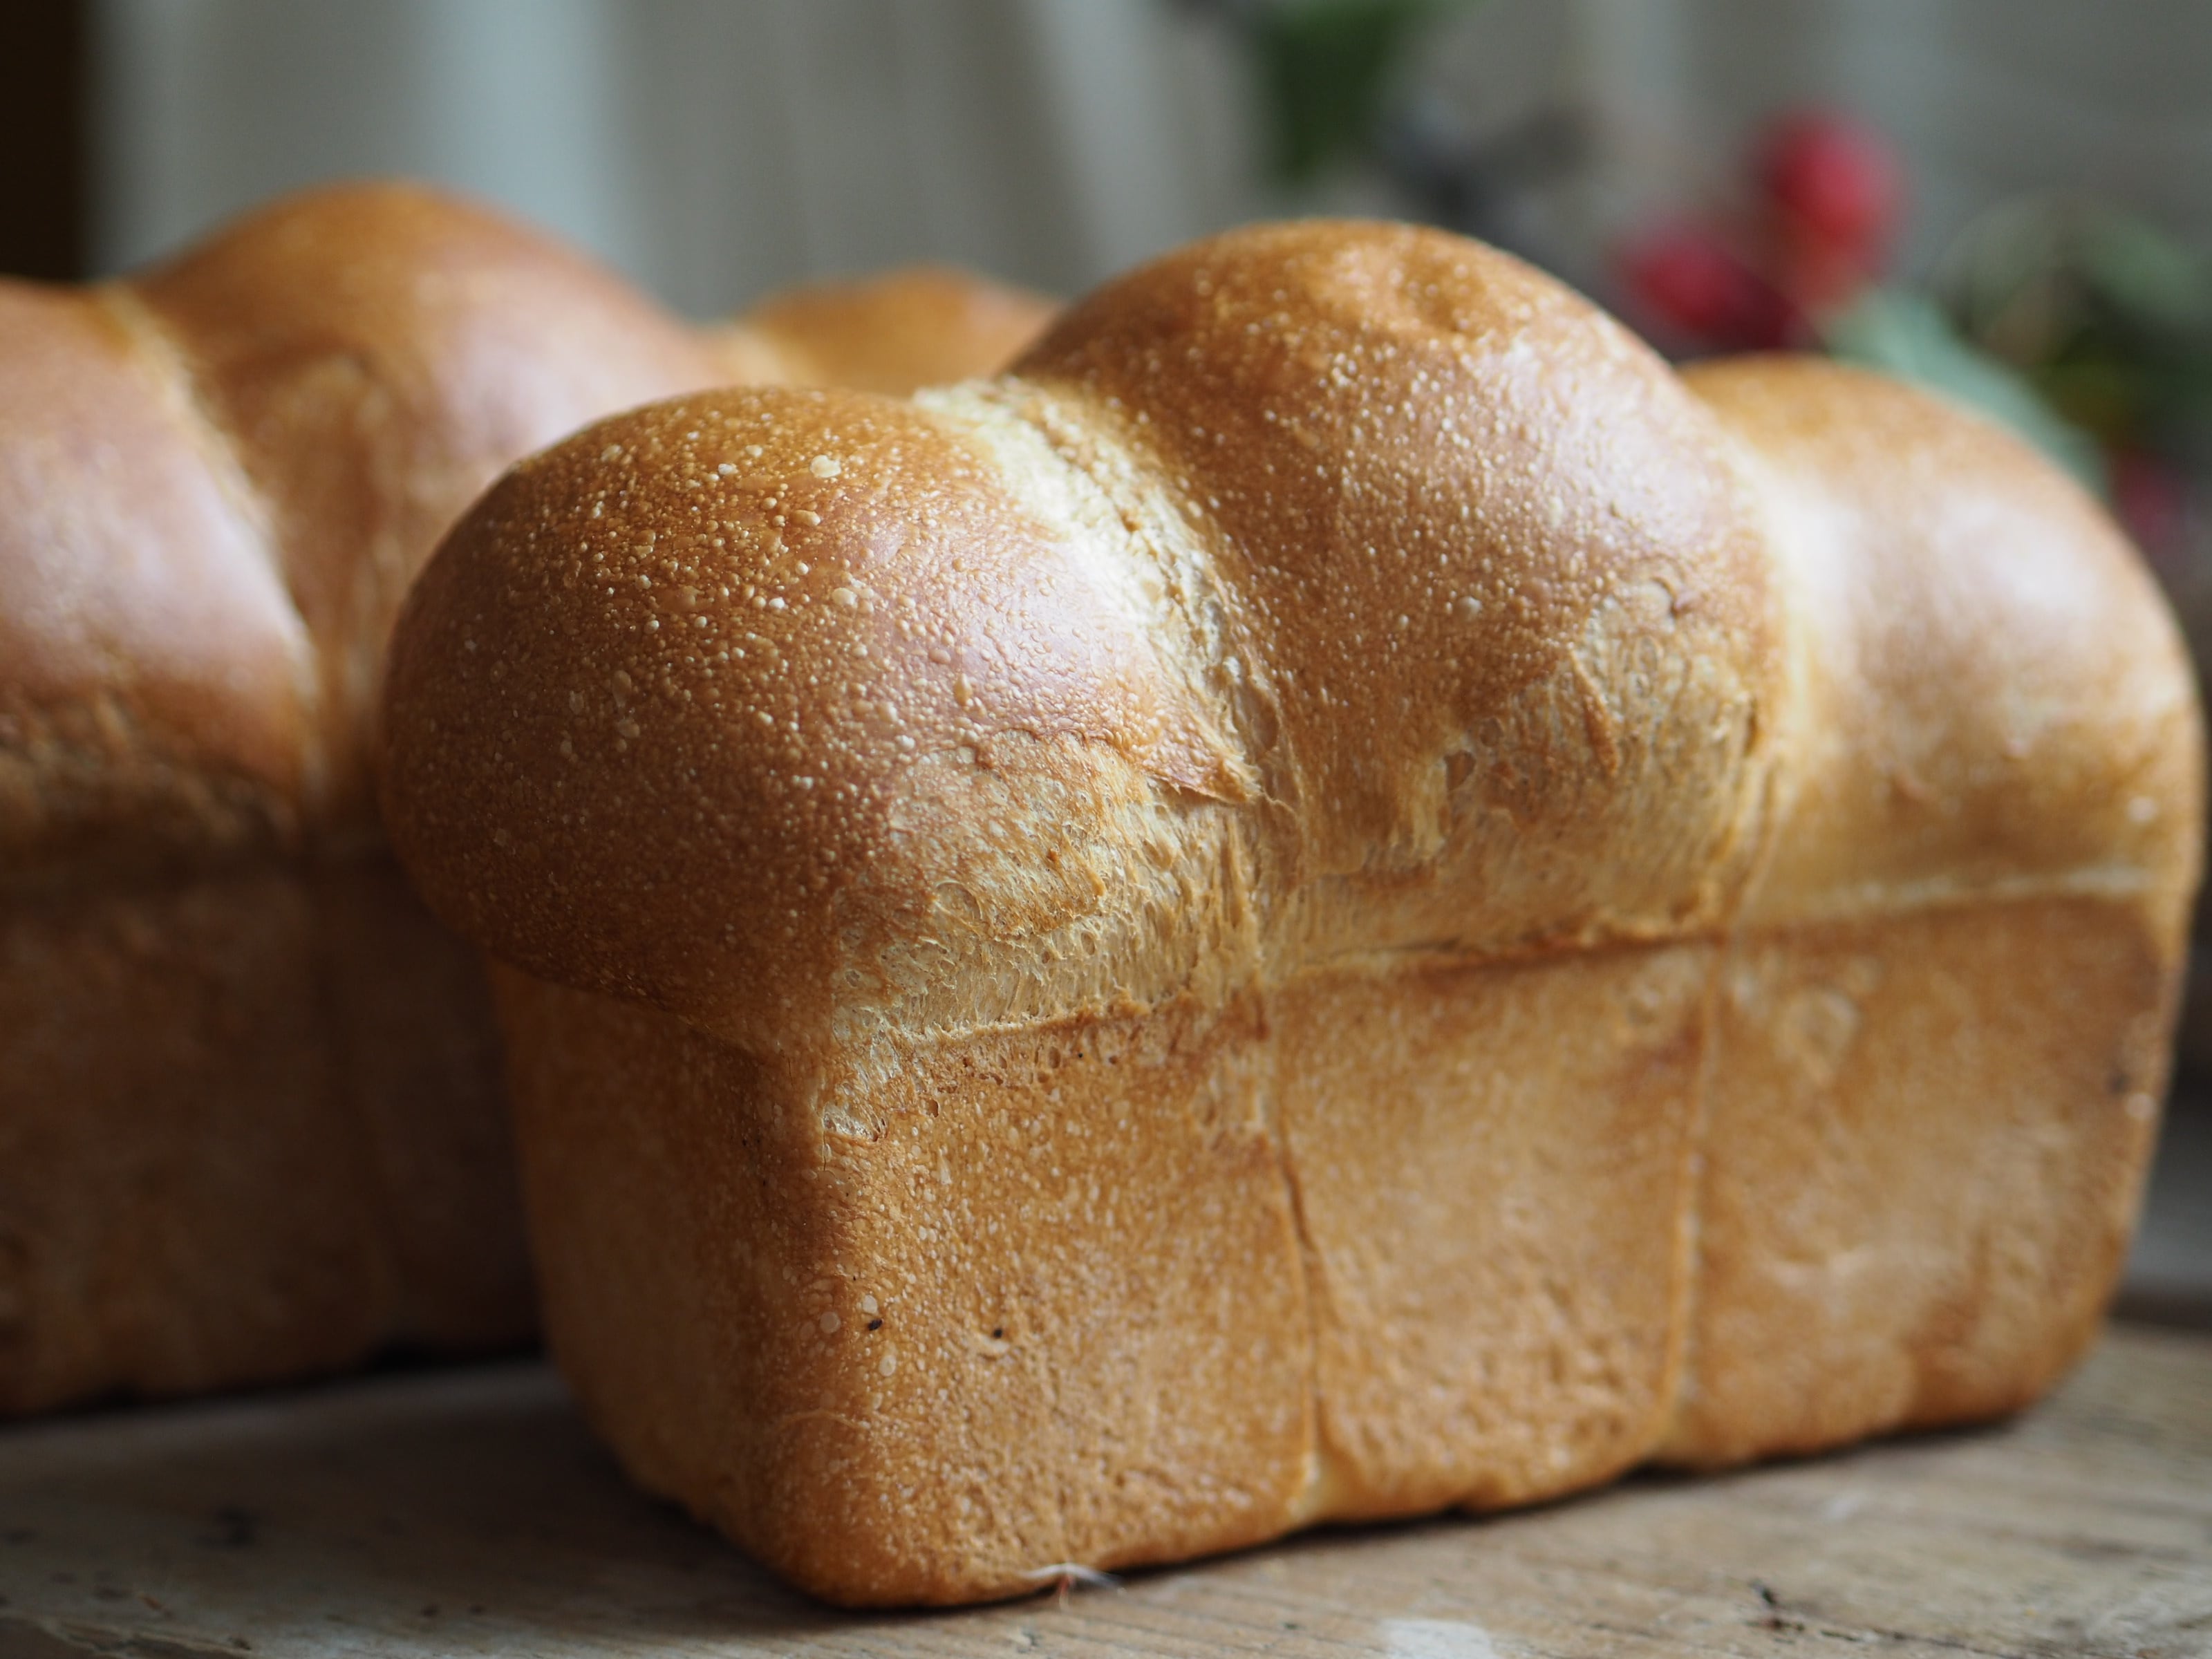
x=1494, y=1167
x=1928, y=1138
x=180, y=1201
x=249, y=1131
x=1051, y=1312
x=414, y=1039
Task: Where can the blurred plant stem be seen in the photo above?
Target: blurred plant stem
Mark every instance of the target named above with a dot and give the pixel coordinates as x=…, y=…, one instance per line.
x=1325, y=72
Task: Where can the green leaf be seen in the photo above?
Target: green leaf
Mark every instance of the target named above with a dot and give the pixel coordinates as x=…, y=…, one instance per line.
x=2151, y=280
x=1905, y=335
x=1326, y=68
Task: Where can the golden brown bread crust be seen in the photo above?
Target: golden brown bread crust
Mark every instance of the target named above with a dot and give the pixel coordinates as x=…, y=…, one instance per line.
x=1430, y=475
x=276, y=426
x=158, y=686
x=1926, y=1141
x=968, y=1394
x=1341, y=752
x=371, y=357
x=920, y=325
x=1989, y=690
x=1963, y=953
x=633, y=756
x=835, y=638
x=217, y=479
x=249, y=1130
x=248, y=1103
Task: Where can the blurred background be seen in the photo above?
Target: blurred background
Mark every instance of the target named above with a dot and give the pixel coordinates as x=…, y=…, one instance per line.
x=716, y=148
x=2010, y=199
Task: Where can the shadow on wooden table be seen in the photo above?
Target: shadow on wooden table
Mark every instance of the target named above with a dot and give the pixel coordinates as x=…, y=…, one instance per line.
x=423, y=1510
x=470, y=1512
x=2169, y=1278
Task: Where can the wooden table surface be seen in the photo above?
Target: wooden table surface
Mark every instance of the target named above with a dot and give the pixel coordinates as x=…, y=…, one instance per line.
x=467, y=1512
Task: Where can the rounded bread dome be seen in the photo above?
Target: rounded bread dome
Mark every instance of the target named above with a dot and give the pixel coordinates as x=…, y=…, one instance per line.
x=1323, y=589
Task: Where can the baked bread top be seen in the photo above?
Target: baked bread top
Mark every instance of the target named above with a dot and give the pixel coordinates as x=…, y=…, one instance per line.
x=218, y=477
x=1987, y=693
x=1321, y=595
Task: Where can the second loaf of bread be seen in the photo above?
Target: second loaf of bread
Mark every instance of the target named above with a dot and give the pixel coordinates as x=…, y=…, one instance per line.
x=250, y=1120
x=1338, y=897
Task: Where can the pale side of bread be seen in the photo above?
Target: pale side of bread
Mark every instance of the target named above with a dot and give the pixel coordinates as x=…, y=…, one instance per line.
x=1959, y=966
x=250, y=1134
x=916, y=326
x=1338, y=897
x=250, y=1121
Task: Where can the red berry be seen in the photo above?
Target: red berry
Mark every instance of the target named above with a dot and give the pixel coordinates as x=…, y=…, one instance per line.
x=1832, y=181
x=1819, y=278
x=2152, y=500
x=1691, y=280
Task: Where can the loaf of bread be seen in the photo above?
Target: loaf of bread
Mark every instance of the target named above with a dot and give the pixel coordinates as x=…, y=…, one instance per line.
x=1340, y=897
x=250, y=1121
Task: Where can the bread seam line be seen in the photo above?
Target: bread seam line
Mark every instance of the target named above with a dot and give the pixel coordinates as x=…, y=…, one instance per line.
x=1160, y=570
x=218, y=446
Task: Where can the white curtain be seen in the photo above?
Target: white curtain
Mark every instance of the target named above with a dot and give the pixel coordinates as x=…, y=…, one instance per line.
x=711, y=148
x=716, y=148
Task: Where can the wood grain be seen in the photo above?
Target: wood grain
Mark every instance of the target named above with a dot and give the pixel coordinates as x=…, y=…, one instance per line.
x=415, y=1514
